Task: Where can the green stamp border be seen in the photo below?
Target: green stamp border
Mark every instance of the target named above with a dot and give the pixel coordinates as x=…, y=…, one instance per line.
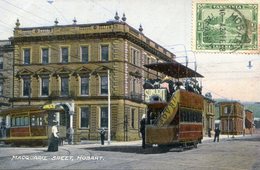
x=252, y=46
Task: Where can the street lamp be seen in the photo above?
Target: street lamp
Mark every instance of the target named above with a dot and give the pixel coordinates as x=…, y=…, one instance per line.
x=108, y=96
x=108, y=99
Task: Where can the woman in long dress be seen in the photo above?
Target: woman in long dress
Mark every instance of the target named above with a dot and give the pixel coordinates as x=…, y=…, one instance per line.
x=54, y=141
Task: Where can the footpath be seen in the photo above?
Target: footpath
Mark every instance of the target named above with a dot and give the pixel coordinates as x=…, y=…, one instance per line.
x=205, y=139
x=87, y=143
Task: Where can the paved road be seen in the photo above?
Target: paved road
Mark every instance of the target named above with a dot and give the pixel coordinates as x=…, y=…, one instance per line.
x=237, y=153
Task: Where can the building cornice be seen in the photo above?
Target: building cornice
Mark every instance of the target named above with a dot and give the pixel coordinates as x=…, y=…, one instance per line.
x=91, y=31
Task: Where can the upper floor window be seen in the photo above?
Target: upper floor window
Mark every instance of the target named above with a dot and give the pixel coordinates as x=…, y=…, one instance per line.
x=1, y=88
x=227, y=109
x=104, y=117
x=45, y=86
x=104, y=52
x=26, y=55
x=64, y=54
x=26, y=86
x=104, y=85
x=45, y=55
x=84, y=54
x=64, y=86
x=84, y=85
x=1, y=61
x=84, y=117
x=135, y=57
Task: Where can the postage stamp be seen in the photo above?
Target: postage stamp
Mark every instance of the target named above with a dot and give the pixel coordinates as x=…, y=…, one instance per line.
x=226, y=26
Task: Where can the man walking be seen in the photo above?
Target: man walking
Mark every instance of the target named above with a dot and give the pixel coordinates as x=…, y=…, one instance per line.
x=142, y=130
x=217, y=132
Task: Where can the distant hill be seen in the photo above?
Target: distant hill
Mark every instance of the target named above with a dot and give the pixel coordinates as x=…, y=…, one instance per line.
x=254, y=107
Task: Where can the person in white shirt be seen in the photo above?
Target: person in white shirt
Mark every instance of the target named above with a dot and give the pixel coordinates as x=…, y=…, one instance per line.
x=54, y=140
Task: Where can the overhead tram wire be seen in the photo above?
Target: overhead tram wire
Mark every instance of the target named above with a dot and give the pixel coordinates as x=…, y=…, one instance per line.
x=26, y=11
x=20, y=15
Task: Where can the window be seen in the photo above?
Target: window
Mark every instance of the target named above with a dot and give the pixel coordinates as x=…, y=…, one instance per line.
x=104, y=85
x=84, y=85
x=64, y=86
x=104, y=52
x=26, y=86
x=45, y=55
x=84, y=54
x=26, y=55
x=227, y=109
x=64, y=55
x=20, y=121
x=1, y=61
x=1, y=88
x=104, y=117
x=135, y=57
x=36, y=120
x=190, y=116
x=133, y=118
x=84, y=120
x=45, y=86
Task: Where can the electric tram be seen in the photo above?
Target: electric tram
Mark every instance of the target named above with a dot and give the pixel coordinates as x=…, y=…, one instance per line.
x=174, y=106
x=31, y=125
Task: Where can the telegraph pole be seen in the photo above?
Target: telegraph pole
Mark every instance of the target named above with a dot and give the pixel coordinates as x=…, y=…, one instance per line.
x=109, y=113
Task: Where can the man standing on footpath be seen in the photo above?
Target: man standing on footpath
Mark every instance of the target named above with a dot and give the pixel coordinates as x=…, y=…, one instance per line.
x=216, y=136
x=142, y=130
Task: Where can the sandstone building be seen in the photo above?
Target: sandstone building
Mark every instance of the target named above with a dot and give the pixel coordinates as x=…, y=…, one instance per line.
x=70, y=65
x=231, y=116
x=6, y=73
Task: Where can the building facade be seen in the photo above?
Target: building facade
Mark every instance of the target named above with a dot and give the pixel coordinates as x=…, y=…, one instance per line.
x=6, y=73
x=208, y=116
x=82, y=68
x=231, y=116
x=249, y=122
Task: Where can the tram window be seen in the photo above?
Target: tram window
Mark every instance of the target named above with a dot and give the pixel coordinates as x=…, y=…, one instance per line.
x=40, y=123
x=33, y=121
x=26, y=121
x=17, y=121
x=186, y=117
x=22, y=121
x=36, y=121
x=182, y=116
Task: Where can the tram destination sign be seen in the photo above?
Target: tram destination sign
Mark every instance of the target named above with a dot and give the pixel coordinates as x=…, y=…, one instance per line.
x=151, y=95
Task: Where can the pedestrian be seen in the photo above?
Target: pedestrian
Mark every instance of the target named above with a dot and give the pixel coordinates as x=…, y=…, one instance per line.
x=142, y=130
x=54, y=141
x=102, y=135
x=3, y=129
x=216, y=136
x=209, y=132
x=69, y=135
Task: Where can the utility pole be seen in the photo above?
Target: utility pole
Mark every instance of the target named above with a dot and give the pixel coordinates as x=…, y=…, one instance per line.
x=109, y=113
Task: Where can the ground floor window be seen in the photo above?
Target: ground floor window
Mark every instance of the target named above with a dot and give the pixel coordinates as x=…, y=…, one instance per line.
x=104, y=117
x=84, y=117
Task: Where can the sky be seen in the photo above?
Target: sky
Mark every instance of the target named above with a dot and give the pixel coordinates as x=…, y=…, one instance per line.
x=167, y=22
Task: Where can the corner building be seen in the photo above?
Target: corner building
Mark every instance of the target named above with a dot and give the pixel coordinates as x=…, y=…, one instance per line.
x=69, y=65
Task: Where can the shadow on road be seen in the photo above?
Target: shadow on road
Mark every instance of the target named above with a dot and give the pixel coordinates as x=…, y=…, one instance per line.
x=130, y=149
x=250, y=139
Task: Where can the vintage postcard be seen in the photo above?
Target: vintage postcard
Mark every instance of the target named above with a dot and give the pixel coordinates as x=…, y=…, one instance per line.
x=130, y=84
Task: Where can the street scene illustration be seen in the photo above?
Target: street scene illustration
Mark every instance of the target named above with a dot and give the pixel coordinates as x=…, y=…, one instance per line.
x=129, y=85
